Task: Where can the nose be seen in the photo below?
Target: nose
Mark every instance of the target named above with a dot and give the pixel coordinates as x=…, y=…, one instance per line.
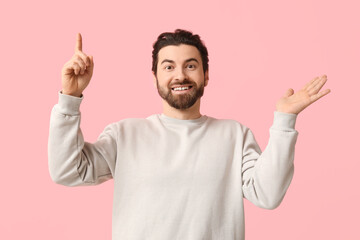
x=180, y=75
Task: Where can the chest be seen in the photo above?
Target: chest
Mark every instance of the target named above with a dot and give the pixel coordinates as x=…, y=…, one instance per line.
x=178, y=158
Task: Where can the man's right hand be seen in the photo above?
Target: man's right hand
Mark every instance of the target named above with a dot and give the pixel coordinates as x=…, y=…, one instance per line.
x=77, y=72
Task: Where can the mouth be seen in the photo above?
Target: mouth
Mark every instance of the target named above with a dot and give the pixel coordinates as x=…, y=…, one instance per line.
x=181, y=89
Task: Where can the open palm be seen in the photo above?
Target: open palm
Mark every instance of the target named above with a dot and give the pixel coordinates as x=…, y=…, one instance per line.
x=296, y=102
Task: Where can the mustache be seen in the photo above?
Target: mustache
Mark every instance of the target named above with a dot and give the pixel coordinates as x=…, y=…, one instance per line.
x=186, y=81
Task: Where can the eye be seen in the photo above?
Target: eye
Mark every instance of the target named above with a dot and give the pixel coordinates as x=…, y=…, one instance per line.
x=168, y=67
x=191, y=66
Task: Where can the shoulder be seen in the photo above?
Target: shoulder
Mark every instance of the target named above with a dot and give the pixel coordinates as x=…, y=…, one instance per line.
x=133, y=123
x=227, y=123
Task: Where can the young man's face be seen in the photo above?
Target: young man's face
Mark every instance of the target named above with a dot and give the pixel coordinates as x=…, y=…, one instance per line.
x=180, y=76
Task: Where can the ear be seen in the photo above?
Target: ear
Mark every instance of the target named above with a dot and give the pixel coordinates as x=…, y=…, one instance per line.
x=154, y=77
x=206, y=78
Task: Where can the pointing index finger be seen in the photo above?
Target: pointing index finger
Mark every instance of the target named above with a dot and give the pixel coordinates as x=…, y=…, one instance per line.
x=78, y=43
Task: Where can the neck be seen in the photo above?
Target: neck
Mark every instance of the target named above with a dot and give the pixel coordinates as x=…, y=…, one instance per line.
x=184, y=114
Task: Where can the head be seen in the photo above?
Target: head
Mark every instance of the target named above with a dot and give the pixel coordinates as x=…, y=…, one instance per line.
x=180, y=59
x=176, y=38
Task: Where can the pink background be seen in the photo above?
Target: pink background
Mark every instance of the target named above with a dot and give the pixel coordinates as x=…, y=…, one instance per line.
x=257, y=50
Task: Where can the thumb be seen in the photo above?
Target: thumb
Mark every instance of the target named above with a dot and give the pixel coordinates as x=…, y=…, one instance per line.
x=289, y=92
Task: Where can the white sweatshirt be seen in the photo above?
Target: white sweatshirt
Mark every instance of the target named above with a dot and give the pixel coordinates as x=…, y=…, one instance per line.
x=174, y=179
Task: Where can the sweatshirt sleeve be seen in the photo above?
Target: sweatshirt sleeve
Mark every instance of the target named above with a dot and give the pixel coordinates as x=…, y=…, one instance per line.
x=73, y=162
x=266, y=176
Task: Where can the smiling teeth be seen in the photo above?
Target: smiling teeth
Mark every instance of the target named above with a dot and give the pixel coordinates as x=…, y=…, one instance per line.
x=181, y=88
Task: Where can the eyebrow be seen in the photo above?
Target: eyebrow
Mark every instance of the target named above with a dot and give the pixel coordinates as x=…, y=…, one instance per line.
x=172, y=61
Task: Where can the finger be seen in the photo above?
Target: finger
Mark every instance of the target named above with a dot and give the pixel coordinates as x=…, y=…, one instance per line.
x=69, y=67
x=81, y=63
x=84, y=57
x=316, y=82
x=309, y=83
x=76, y=68
x=319, y=95
x=78, y=46
x=289, y=92
x=91, y=66
x=316, y=88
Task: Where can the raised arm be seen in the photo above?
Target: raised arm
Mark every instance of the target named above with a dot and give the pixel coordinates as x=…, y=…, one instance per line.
x=267, y=175
x=72, y=161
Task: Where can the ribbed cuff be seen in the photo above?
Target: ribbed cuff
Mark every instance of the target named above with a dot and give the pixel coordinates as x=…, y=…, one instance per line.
x=68, y=104
x=284, y=121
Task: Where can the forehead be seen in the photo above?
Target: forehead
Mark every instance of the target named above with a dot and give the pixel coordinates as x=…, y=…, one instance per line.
x=180, y=53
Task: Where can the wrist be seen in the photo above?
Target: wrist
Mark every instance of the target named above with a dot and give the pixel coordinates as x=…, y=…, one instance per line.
x=284, y=120
x=287, y=109
x=71, y=94
x=68, y=104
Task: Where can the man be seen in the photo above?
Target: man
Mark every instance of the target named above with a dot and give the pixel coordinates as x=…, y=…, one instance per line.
x=179, y=174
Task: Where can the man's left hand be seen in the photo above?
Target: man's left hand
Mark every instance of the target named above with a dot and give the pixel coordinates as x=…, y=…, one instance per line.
x=296, y=102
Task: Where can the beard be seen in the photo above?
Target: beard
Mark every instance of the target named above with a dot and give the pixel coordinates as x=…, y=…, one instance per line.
x=181, y=101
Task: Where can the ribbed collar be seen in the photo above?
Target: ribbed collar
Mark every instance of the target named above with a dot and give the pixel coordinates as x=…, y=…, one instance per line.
x=168, y=119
